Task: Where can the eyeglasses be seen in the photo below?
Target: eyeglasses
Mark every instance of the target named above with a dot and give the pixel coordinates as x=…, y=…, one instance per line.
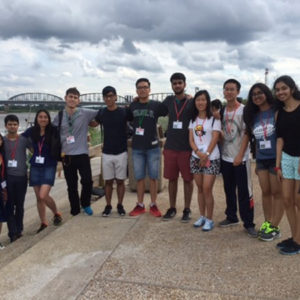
x=258, y=94
x=142, y=87
x=109, y=96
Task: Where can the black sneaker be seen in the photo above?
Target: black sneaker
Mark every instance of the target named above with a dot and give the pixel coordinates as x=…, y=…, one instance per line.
x=251, y=232
x=57, y=219
x=121, y=210
x=42, y=227
x=171, y=213
x=285, y=243
x=227, y=223
x=107, y=211
x=291, y=249
x=186, y=216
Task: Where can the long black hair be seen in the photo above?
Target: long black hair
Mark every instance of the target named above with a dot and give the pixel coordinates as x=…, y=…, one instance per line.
x=36, y=130
x=289, y=81
x=2, y=146
x=252, y=109
x=195, y=111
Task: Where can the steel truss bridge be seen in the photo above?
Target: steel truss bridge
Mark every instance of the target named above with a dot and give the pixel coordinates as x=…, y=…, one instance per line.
x=89, y=99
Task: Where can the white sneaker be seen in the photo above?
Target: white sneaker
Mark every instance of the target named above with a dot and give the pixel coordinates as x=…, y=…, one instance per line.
x=1, y=247
x=209, y=225
x=200, y=222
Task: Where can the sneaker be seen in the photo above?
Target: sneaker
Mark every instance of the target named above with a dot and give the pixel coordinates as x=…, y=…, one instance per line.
x=227, y=223
x=264, y=226
x=154, y=211
x=171, y=213
x=270, y=233
x=186, y=216
x=208, y=225
x=138, y=210
x=200, y=222
x=42, y=227
x=57, y=219
x=121, y=210
x=107, y=211
x=88, y=210
x=1, y=247
x=291, y=249
x=251, y=232
x=284, y=243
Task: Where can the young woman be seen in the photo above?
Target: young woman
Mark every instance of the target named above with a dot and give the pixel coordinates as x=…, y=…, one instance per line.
x=3, y=192
x=43, y=166
x=287, y=158
x=204, y=133
x=260, y=117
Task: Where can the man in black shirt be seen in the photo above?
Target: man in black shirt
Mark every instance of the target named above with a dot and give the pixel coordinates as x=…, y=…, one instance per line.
x=113, y=119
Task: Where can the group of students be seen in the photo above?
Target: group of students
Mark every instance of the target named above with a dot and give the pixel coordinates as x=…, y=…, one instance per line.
x=200, y=142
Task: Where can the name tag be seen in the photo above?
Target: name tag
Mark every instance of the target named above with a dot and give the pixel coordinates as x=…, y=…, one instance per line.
x=12, y=163
x=39, y=160
x=70, y=139
x=3, y=184
x=265, y=145
x=177, y=125
x=139, y=131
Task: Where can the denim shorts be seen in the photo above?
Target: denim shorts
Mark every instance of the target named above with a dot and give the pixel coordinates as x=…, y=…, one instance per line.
x=42, y=175
x=289, y=166
x=266, y=164
x=146, y=159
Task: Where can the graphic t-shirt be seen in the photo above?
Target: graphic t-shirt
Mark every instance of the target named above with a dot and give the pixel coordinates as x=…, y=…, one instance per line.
x=233, y=129
x=202, y=132
x=265, y=135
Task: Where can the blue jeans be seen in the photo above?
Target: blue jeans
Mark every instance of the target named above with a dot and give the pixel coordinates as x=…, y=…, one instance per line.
x=143, y=159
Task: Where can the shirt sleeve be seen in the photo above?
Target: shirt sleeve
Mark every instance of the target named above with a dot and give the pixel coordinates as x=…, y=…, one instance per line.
x=90, y=114
x=217, y=125
x=98, y=117
x=55, y=120
x=191, y=125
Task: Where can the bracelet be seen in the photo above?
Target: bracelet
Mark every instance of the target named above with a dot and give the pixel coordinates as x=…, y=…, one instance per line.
x=207, y=153
x=276, y=169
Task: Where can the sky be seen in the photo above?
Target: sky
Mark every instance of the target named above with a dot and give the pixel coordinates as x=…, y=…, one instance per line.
x=49, y=46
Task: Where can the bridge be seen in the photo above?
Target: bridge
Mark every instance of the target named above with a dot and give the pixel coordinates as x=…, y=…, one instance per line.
x=88, y=99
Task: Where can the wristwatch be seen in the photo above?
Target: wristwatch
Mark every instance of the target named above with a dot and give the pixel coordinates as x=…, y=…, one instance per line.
x=207, y=153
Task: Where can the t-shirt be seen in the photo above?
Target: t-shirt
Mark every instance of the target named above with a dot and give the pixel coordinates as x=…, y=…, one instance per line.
x=115, y=129
x=288, y=128
x=16, y=150
x=75, y=126
x=202, y=132
x=45, y=151
x=178, y=139
x=233, y=128
x=265, y=134
x=145, y=117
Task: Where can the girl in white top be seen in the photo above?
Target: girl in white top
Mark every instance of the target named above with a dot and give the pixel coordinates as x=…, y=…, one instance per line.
x=205, y=159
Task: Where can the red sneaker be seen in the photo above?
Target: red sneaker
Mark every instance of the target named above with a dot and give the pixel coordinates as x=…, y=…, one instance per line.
x=138, y=210
x=155, y=211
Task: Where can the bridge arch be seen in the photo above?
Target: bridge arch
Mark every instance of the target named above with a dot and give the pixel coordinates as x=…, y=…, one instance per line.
x=35, y=97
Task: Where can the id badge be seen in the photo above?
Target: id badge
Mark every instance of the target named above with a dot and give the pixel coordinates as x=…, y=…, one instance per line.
x=12, y=163
x=139, y=131
x=265, y=145
x=177, y=125
x=3, y=184
x=39, y=160
x=70, y=139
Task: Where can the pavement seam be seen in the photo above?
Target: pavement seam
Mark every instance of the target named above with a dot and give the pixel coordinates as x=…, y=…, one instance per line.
x=110, y=255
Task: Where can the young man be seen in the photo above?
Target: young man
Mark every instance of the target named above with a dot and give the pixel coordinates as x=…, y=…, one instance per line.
x=235, y=164
x=177, y=149
x=114, y=152
x=145, y=145
x=73, y=134
x=15, y=160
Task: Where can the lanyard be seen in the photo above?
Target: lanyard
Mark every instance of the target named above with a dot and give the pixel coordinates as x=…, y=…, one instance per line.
x=14, y=149
x=2, y=166
x=141, y=118
x=202, y=128
x=40, y=145
x=227, y=119
x=264, y=125
x=182, y=108
x=71, y=120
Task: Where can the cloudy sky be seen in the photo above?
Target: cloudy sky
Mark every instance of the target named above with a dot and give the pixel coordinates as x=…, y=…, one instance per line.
x=48, y=46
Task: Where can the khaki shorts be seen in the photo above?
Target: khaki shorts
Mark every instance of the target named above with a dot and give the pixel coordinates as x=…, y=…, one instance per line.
x=114, y=166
